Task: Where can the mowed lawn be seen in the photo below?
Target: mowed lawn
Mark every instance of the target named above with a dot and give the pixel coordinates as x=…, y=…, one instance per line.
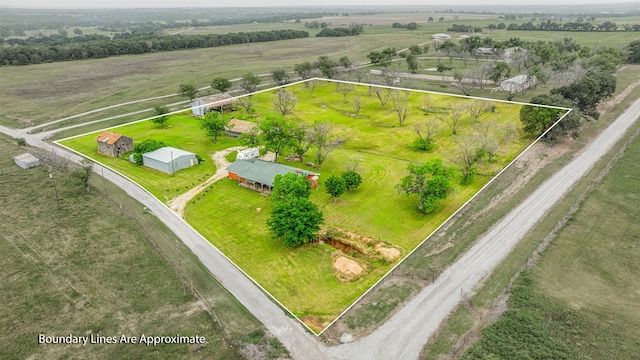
x=302, y=279
x=183, y=132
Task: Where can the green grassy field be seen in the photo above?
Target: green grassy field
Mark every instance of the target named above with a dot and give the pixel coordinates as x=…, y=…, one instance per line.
x=376, y=209
x=95, y=267
x=583, y=292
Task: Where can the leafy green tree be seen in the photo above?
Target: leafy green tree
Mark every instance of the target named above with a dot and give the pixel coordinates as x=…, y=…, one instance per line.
x=415, y=49
x=295, y=221
x=499, y=71
x=589, y=91
x=289, y=186
x=304, y=70
x=412, y=63
x=79, y=177
x=280, y=76
x=144, y=147
x=276, y=134
x=327, y=66
x=633, y=52
x=430, y=181
x=190, y=91
x=352, y=179
x=335, y=186
x=250, y=82
x=221, y=84
x=161, y=119
x=214, y=125
x=537, y=120
x=345, y=62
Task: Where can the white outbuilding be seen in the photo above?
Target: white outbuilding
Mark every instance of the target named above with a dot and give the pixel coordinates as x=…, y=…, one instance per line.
x=169, y=159
x=441, y=36
x=518, y=83
x=26, y=161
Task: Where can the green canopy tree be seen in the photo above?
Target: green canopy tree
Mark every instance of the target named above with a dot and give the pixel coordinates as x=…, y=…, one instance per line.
x=190, y=91
x=276, y=134
x=214, y=124
x=289, y=186
x=430, y=181
x=295, y=221
x=335, y=186
x=221, y=84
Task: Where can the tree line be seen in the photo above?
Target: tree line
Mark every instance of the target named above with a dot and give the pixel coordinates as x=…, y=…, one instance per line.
x=607, y=26
x=128, y=44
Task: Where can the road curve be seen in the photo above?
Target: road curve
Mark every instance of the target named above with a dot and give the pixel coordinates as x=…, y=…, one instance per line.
x=404, y=335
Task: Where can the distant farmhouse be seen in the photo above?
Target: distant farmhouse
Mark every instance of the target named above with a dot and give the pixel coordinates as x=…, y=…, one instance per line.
x=169, y=159
x=237, y=127
x=113, y=144
x=218, y=102
x=258, y=175
x=441, y=36
x=26, y=161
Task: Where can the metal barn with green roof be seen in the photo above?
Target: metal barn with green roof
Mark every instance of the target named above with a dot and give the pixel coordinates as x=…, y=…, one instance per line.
x=258, y=174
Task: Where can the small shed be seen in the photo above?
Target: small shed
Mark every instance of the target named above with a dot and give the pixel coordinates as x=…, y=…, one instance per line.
x=518, y=83
x=26, y=161
x=218, y=102
x=258, y=174
x=441, y=36
x=169, y=159
x=113, y=144
x=484, y=51
x=250, y=153
x=237, y=127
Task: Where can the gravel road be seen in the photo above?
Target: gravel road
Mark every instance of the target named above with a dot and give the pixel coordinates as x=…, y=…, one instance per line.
x=404, y=335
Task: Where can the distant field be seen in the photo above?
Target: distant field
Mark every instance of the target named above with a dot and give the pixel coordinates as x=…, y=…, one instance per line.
x=226, y=214
x=91, y=268
x=36, y=94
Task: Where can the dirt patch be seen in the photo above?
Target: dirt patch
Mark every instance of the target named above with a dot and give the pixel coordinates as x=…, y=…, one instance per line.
x=347, y=267
x=389, y=254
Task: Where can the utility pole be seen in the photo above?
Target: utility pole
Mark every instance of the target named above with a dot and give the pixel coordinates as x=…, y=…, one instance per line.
x=55, y=189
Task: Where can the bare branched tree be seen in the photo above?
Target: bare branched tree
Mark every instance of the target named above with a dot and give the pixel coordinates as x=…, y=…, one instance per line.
x=346, y=89
x=247, y=103
x=467, y=155
x=320, y=136
x=400, y=101
x=383, y=95
x=284, y=101
x=427, y=131
x=476, y=108
x=357, y=105
x=453, y=118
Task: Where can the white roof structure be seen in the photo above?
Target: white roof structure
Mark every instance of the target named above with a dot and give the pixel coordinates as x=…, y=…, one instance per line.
x=441, y=36
x=166, y=154
x=518, y=83
x=26, y=161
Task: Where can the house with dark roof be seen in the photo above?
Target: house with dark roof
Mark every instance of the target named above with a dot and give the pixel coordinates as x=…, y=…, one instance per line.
x=113, y=144
x=258, y=174
x=218, y=102
x=169, y=159
x=237, y=127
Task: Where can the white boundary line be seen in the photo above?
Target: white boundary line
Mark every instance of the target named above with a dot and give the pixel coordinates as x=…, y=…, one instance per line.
x=57, y=142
